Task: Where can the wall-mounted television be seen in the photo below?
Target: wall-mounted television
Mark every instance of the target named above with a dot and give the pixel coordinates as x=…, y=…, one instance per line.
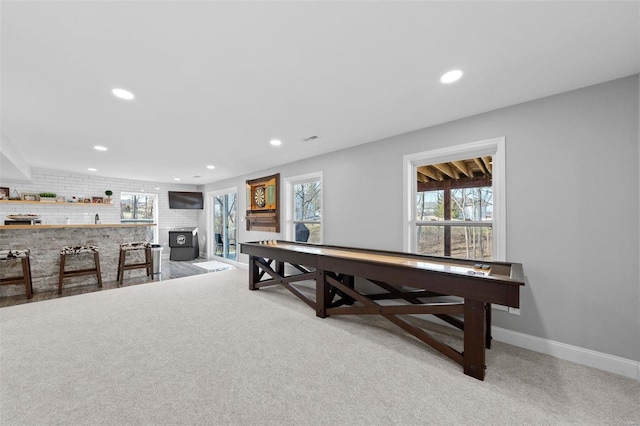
x=185, y=200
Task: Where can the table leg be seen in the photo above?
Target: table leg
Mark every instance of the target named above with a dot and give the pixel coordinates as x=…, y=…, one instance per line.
x=253, y=273
x=323, y=296
x=488, y=337
x=474, y=338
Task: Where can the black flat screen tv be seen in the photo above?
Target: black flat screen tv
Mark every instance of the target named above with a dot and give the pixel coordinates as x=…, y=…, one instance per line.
x=185, y=200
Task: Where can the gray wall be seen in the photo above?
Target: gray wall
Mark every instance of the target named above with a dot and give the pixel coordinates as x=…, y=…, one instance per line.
x=572, y=207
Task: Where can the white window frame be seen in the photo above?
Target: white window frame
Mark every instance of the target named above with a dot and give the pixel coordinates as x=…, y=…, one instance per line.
x=290, y=203
x=490, y=147
x=155, y=209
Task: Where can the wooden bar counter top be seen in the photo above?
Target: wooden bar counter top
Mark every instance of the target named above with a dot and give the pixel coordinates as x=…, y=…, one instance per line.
x=46, y=241
x=101, y=225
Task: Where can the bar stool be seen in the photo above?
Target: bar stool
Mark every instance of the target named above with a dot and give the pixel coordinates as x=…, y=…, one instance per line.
x=128, y=248
x=25, y=278
x=74, y=250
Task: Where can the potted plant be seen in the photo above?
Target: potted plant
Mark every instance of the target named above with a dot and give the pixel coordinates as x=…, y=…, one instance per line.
x=48, y=197
x=108, y=193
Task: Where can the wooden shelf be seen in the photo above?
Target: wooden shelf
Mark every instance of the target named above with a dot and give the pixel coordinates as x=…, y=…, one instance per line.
x=104, y=225
x=45, y=203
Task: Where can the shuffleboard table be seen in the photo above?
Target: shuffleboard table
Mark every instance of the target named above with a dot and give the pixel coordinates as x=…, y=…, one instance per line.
x=418, y=282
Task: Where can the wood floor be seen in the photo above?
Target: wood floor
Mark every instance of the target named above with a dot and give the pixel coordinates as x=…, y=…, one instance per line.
x=170, y=270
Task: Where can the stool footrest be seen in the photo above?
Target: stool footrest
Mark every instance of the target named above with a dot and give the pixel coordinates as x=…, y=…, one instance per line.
x=134, y=266
x=12, y=280
x=77, y=272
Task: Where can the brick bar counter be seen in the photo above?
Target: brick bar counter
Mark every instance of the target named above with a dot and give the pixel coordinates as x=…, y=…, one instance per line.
x=45, y=242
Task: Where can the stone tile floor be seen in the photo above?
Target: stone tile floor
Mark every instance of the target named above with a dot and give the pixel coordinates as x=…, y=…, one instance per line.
x=170, y=270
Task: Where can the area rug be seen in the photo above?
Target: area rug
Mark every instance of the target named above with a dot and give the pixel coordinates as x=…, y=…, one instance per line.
x=213, y=265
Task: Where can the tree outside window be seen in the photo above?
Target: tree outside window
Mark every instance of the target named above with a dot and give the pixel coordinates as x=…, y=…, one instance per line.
x=307, y=212
x=137, y=207
x=468, y=229
x=454, y=209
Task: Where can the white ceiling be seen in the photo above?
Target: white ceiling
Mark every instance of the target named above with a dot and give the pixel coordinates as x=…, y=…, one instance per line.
x=215, y=81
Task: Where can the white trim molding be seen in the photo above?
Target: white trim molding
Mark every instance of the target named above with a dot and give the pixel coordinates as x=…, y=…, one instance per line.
x=601, y=361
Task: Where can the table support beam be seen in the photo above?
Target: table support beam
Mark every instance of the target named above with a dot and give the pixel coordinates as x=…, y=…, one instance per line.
x=454, y=292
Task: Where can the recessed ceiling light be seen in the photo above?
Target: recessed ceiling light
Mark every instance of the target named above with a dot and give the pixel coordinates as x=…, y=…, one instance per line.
x=176, y=178
x=276, y=142
x=157, y=188
x=91, y=169
x=210, y=167
x=123, y=94
x=100, y=148
x=451, y=76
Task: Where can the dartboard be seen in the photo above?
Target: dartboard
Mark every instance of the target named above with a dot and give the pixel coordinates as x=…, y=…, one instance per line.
x=258, y=196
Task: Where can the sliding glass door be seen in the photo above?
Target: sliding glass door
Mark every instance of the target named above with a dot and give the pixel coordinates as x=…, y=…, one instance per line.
x=225, y=231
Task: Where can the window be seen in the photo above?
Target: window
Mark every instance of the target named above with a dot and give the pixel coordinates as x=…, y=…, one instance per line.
x=454, y=201
x=304, y=208
x=455, y=222
x=139, y=208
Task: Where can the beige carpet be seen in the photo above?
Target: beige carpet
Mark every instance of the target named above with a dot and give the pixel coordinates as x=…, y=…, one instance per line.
x=204, y=350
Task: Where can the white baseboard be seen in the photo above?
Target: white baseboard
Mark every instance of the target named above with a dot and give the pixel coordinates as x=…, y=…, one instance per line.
x=611, y=363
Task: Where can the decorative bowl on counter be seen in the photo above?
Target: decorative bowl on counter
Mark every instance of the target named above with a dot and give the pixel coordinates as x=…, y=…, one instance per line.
x=21, y=216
